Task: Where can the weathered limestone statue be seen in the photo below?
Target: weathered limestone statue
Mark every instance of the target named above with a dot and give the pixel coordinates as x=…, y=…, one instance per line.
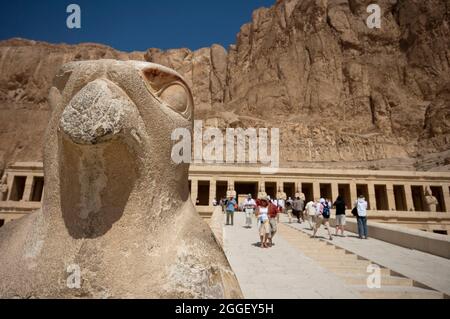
x=300, y=195
x=281, y=194
x=431, y=201
x=4, y=187
x=116, y=209
x=231, y=192
x=262, y=193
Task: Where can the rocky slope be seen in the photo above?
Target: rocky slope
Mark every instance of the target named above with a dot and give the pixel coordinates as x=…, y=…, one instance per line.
x=342, y=94
x=27, y=69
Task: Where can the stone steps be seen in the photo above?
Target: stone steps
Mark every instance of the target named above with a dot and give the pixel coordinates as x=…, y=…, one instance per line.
x=384, y=280
x=333, y=257
x=343, y=270
x=363, y=264
x=395, y=292
x=353, y=269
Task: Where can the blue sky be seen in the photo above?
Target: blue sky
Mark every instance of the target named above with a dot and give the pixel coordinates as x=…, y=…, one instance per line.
x=130, y=25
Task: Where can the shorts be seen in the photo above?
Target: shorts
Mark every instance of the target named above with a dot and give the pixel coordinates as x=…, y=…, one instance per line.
x=273, y=225
x=264, y=228
x=322, y=221
x=340, y=220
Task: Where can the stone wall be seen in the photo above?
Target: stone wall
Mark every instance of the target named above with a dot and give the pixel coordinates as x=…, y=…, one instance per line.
x=343, y=95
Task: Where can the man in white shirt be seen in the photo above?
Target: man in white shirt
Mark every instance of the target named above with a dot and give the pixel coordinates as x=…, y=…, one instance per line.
x=281, y=208
x=249, y=207
x=310, y=213
x=361, y=206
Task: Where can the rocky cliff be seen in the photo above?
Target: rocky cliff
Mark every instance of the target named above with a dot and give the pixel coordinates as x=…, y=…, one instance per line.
x=342, y=94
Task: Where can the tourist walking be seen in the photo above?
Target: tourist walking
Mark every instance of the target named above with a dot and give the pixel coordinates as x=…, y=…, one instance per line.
x=340, y=214
x=289, y=200
x=273, y=214
x=310, y=213
x=249, y=206
x=230, y=208
x=262, y=214
x=289, y=210
x=281, y=208
x=274, y=201
x=322, y=217
x=361, y=207
x=298, y=206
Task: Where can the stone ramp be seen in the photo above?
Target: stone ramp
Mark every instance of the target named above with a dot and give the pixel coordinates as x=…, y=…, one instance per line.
x=419, y=270
x=355, y=270
x=301, y=267
x=278, y=272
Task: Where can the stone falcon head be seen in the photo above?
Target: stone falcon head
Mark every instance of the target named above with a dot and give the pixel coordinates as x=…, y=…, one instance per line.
x=101, y=98
x=110, y=133
x=115, y=204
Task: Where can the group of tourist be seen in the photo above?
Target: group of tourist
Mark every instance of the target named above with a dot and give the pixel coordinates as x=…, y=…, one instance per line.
x=315, y=213
x=266, y=211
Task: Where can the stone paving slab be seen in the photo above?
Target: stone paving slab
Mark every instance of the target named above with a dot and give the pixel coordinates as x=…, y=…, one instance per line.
x=278, y=272
x=431, y=270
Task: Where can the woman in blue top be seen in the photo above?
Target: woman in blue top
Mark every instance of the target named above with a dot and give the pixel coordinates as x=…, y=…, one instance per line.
x=230, y=207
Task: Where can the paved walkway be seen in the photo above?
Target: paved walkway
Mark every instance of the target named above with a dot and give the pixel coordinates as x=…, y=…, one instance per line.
x=282, y=271
x=425, y=268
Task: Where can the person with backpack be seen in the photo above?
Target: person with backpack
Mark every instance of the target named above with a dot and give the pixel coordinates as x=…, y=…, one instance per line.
x=231, y=206
x=340, y=214
x=361, y=209
x=322, y=217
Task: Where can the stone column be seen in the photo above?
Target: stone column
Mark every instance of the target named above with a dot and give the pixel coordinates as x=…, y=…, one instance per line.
x=230, y=188
x=390, y=196
x=353, y=193
x=409, y=199
x=280, y=186
x=316, y=190
x=194, y=189
x=298, y=187
x=10, y=185
x=212, y=191
x=446, y=193
x=27, y=191
x=230, y=184
x=334, y=191
x=372, y=200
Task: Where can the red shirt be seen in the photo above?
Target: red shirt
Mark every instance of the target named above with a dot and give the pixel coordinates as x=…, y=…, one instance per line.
x=273, y=211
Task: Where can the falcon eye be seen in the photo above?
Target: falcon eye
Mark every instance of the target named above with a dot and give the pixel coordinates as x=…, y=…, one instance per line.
x=176, y=97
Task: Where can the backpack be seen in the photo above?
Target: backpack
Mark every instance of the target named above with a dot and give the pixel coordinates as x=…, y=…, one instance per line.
x=326, y=211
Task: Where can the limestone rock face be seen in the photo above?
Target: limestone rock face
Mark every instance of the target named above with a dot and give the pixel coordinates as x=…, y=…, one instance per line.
x=116, y=208
x=342, y=94
x=27, y=70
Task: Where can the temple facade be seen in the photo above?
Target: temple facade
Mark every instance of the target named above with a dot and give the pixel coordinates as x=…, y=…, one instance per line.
x=22, y=189
x=419, y=200
x=400, y=197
